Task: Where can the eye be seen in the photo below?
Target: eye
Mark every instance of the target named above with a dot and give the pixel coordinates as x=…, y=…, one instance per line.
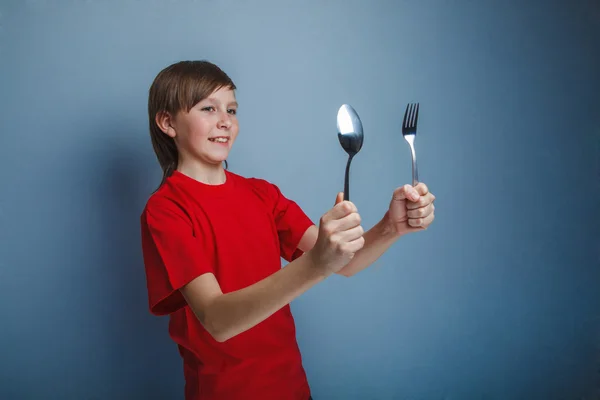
x=208, y=108
x=232, y=111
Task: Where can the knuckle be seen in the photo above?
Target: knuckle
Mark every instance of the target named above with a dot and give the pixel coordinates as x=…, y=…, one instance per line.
x=338, y=245
x=333, y=239
x=347, y=250
x=350, y=248
x=343, y=249
x=323, y=220
x=347, y=207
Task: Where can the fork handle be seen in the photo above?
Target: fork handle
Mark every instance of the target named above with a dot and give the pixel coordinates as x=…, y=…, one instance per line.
x=415, y=170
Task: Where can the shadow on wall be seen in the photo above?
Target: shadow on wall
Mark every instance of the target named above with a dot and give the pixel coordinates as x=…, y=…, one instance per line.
x=140, y=360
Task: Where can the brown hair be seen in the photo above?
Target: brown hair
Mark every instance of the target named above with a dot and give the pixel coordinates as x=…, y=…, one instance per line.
x=179, y=87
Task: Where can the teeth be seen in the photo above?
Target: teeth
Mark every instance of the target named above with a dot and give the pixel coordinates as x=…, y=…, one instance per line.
x=219, y=140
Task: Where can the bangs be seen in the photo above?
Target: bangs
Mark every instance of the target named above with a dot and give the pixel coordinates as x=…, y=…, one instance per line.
x=185, y=84
x=195, y=88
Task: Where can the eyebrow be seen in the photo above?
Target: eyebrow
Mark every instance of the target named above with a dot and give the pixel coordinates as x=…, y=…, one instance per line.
x=233, y=103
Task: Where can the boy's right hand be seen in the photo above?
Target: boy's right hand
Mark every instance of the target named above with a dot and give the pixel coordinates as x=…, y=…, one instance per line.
x=340, y=236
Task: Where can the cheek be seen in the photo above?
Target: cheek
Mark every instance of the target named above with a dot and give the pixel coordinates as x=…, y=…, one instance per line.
x=199, y=132
x=235, y=128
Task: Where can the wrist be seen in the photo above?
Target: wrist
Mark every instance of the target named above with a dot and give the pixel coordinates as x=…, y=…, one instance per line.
x=389, y=229
x=314, y=267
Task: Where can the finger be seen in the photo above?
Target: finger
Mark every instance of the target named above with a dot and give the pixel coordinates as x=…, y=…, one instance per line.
x=422, y=188
x=420, y=212
x=421, y=222
x=338, y=211
x=342, y=209
x=428, y=220
x=339, y=198
x=350, y=234
x=355, y=245
x=422, y=202
x=406, y=192
x=350, y=221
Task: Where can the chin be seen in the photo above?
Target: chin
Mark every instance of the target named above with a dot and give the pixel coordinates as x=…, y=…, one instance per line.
x=217, y=160
x=214, y=158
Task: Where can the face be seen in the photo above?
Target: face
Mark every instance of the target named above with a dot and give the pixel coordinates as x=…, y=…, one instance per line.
x=206, y=133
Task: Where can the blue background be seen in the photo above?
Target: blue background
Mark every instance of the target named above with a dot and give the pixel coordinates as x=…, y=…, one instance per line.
x=499, y=299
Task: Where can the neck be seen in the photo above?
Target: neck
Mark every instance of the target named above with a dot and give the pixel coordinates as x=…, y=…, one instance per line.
x=208, y=174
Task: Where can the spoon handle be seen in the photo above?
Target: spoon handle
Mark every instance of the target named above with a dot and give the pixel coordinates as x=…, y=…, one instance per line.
x=347, y=180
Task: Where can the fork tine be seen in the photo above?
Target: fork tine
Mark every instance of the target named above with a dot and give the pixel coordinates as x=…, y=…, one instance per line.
x=412, y=115
x=416, y=116
x=404, y=122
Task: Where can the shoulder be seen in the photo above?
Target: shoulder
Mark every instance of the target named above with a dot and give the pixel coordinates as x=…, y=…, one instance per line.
x=260, y=187
x=166, y=205
x=271, y=196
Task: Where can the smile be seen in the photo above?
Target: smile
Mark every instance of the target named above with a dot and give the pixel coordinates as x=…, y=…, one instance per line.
x=219, y=139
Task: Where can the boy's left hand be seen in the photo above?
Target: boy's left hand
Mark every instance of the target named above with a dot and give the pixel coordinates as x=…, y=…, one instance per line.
x=411, y=209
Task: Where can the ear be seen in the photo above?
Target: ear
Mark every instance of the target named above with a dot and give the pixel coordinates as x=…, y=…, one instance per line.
x=165, y=122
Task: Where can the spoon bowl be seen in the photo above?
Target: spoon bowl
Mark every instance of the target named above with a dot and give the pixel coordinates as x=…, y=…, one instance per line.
x=350, y=135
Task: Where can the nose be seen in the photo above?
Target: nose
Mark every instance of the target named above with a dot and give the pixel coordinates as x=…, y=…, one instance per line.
x=225, y=120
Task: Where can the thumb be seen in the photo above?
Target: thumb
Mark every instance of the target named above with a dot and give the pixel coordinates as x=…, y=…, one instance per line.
x=406, y=192
x=339, y=198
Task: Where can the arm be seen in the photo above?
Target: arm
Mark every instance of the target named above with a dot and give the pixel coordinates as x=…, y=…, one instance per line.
x=411, y=210
x=378, y=240
x=226, y=315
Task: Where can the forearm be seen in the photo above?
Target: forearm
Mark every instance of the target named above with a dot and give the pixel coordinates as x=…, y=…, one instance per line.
x=378, y=240
x=233, y=313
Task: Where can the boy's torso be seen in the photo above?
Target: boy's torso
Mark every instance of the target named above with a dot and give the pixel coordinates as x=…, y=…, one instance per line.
x=265, y=360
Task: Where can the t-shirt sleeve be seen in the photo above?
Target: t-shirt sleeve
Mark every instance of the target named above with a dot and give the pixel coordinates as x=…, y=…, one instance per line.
x=174, y=254
x=290, y=220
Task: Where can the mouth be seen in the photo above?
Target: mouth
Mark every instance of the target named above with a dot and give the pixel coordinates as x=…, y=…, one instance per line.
x=220, y=139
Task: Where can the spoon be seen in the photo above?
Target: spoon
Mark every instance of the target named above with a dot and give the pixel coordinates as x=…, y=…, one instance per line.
x=350, y=134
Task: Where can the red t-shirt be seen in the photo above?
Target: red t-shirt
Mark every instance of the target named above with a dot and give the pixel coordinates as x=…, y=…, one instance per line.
x=239, y=231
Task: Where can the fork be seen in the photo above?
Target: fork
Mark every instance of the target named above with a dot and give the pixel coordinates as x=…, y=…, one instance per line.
x=409, y=131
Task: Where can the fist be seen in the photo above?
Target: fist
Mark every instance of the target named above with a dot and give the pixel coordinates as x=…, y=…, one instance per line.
x=411, y=209
x=340, y=237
